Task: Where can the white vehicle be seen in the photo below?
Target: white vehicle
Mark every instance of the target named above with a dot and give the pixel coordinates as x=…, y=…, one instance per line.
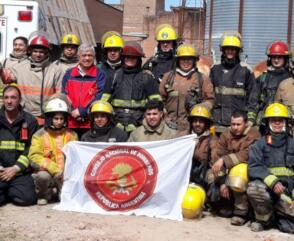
x=17, y=18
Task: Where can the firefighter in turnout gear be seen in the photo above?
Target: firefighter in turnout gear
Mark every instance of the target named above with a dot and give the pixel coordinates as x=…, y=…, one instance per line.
x=164, y=59
x=46, y=150
x=37, y=78
x=232, y=149
x=69, y=45
x=205, y=150
x=234, y=84
x=18, y=55
x=112, y=45
x=130, y=89
x=271, y=172
x=277, y=71
x=16, y=130
x=285, y=96
x=103, y=128
x=184, y=87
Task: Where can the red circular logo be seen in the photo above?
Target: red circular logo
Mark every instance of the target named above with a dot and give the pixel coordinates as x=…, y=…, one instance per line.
x=121, y=178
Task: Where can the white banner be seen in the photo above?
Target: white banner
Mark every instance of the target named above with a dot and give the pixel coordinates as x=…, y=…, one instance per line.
x=142, y=178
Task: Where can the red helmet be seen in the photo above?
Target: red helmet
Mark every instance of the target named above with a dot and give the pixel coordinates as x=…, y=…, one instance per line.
x=133, y=49
x=278, y=48
x=40, y=41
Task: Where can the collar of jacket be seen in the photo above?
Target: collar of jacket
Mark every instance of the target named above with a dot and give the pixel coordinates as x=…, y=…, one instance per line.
x=92, y=71
x=69, y=61
x=245, y=133
x=204, y=134
x=99, y=131
x=113, y=65
x=40, y=65
x=18, y=58
x=185, y=74
x=158, y=129
x=3, y=119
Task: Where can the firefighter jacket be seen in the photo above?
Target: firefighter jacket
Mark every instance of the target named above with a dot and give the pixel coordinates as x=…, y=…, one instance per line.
x=235, y=89
x=145, y=133
x=8, y=63
x=180, y=93
x=37, y=82
x=109, y=133
x=285, y=94
x=15, y=139
x=160, y=64
x=12, y=60
x=46, y=149
x=110, y=69
x=65, y=64
x=82, y=89
x=271, y=160
x=128, y=93
x=268, y=84
x=234, y=149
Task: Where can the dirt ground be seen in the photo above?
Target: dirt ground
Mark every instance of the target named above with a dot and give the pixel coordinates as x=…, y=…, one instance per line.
x=42, y=223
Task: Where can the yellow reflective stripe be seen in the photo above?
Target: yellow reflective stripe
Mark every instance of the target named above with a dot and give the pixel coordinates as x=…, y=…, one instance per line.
x=105, y=97
x=270, y=180
x=1, y=91
x=223, y=90
x=155, y=97
x=281, y=171
x=251, y=115
x=174, y=93
x=128, y=103
x=12, y=145
x=293, y=193
x=234, y=159
x=23, y=160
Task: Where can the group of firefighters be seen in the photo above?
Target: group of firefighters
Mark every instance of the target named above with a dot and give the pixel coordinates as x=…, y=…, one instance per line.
x=244, y=158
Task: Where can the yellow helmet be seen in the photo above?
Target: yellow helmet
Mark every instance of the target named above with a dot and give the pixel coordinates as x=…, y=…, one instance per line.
x=70, y=39
x=193, y=201
x=186, y=50
x=165, y=32
x=237, y=179
x=276, y=110
x=101, y=106
x=107, y=35
x=200, y=111
x=113, y=41
x=231, y=39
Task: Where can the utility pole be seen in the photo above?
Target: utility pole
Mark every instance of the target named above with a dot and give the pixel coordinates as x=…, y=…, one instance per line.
x=181, y=20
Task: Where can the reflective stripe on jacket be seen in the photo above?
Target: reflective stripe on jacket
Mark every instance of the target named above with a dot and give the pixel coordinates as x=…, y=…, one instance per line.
x=46, y=149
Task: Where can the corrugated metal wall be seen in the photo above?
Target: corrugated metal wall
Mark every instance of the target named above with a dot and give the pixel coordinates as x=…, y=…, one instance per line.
x=66, y=16
x=225, y=17
x=263, y=22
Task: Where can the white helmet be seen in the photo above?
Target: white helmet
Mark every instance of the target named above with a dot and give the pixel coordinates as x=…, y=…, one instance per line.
x=56, y=105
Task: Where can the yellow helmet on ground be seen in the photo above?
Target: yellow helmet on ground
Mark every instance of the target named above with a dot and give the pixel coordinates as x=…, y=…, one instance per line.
x=113, y=41
x=56, y=105
x=101, y=106
x=70, y=39
x=200, y=111
x=231, y=39
x=193, y=201
x=186, y=50
x=237, y=179
x=276, y=110
x=165, y=32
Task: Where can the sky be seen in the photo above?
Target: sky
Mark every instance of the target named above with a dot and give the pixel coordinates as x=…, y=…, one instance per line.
x=168, y=3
